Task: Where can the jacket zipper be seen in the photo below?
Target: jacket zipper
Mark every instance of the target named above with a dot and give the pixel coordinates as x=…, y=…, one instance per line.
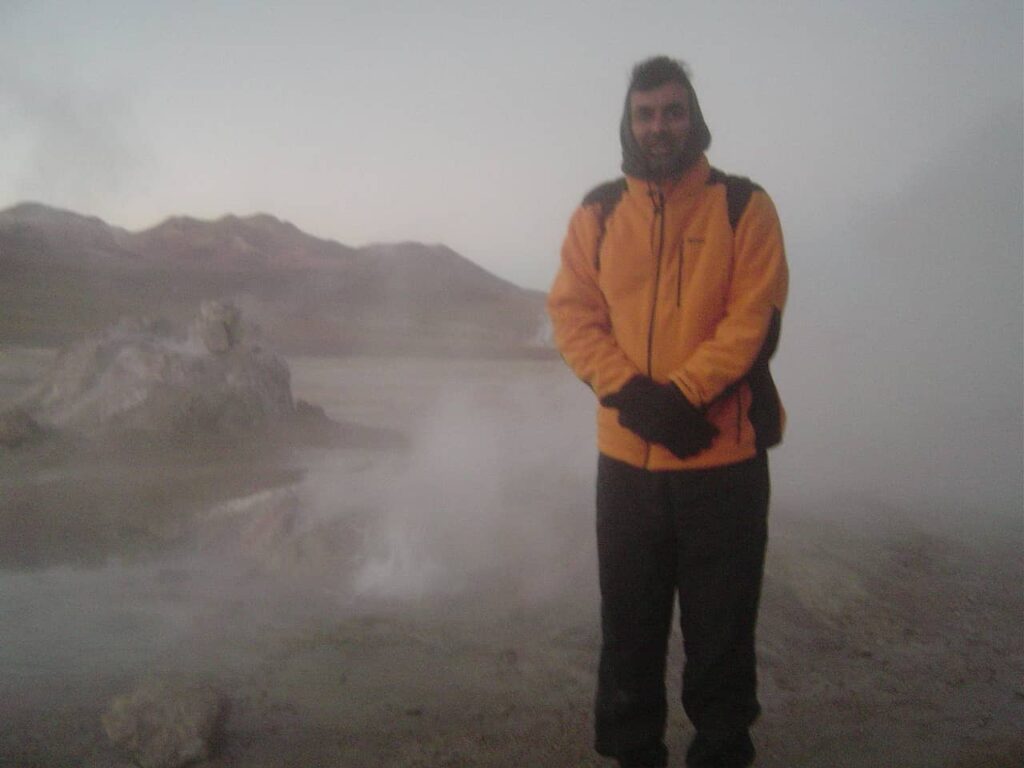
x=679, y=275
x=739, y=412
x=657, y=229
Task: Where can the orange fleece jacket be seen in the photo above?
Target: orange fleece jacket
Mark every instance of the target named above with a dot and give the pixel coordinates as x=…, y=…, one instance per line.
x=667, y=289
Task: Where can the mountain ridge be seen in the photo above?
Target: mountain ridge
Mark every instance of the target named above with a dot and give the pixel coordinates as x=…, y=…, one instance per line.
x=63, y=274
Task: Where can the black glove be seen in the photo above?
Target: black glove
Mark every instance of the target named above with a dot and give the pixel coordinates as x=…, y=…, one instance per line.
x=660, y=413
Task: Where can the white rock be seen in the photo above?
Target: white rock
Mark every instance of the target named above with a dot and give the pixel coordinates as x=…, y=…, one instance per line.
x=132, y=379
x=165, y=724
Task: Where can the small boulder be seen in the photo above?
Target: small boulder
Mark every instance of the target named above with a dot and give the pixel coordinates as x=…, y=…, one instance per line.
x=166, y=724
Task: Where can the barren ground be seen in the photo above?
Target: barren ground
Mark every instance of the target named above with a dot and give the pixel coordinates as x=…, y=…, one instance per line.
x=430, y=601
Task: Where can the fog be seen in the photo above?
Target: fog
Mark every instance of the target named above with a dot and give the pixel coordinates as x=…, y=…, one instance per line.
x=77, y=142
x=383, y=572
x=901, y=359
x=451, y=533
x=423, y=592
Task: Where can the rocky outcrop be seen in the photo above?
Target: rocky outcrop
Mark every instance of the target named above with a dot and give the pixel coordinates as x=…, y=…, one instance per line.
x=218, y=327
x=135, y=379
x=166, y=724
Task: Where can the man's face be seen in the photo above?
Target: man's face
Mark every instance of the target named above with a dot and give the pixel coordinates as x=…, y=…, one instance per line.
x=660, y=121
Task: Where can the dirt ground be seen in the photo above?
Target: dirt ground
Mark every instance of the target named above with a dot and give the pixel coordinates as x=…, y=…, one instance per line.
x=423, y=594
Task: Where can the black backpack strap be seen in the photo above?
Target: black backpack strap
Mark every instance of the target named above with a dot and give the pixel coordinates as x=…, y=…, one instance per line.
x=737, y=194
x=738, y=190
x=605, y=196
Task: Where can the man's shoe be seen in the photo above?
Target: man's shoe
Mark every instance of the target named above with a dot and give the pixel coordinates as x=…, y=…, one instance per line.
x=734, y=750
x=654, y=757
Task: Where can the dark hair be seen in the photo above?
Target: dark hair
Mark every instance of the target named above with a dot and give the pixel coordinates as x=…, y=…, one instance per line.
x=647, y=75
x=656, y=72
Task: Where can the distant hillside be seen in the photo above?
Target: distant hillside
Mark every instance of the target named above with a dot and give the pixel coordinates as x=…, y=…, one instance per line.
x=63, y=275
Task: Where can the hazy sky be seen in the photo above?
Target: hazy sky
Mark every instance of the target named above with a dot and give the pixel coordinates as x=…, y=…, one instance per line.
x=479, y=125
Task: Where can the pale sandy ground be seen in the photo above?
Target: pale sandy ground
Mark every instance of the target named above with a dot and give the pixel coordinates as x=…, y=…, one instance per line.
x=434, y=604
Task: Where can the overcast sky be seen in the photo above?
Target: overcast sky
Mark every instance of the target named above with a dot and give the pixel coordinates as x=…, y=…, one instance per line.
x=477, y=125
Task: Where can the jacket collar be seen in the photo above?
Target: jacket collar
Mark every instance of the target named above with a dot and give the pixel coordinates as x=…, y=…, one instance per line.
x=687, y=185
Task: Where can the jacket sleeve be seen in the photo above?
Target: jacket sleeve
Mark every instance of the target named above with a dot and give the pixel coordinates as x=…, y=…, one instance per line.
x=580, y=315
x=757, y=293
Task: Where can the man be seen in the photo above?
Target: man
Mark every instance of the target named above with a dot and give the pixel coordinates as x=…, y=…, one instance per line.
x=668, y=304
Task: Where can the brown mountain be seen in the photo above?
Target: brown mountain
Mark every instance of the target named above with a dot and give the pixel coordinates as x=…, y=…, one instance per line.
x=63, y=275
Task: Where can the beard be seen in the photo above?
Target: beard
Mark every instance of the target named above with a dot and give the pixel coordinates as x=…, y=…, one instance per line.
x=663, y=152
x=663, y=159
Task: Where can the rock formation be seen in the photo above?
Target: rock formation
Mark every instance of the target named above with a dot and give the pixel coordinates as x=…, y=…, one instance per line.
x=135, y=379
x=164, y=724
x=218, y=326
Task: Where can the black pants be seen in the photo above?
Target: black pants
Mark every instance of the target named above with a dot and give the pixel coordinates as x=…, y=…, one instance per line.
x=701, y=535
